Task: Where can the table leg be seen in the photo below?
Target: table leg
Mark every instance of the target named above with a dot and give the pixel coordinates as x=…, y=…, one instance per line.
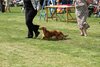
x=47, y=14
x=67, y=14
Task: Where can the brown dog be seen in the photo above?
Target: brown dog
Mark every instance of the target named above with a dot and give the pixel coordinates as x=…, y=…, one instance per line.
x=54, y=34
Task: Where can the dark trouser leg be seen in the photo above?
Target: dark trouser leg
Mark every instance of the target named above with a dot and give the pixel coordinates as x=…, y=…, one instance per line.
x=3, y=8
x=41, y=2
x=30, y=14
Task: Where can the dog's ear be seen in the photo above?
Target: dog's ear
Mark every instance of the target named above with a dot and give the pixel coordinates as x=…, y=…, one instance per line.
x=41, y=28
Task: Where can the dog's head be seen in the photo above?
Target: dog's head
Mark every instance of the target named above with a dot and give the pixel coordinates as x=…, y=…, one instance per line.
x=42, y=28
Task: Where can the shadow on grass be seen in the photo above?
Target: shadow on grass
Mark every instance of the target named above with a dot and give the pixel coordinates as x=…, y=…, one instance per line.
x=55, y=39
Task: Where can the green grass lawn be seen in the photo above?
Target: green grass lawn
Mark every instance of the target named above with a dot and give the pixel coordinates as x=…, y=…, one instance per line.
x=76, y=51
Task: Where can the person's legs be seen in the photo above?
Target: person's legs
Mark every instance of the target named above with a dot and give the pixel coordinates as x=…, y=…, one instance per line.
x=85, y=27
x=30, y=14
x=7, y=8
x=85, y=32
x=84, y=24
x=79, y=21
x=28, y=23
x=35, y=27
x=0, y=6
x=81, y=32
x=3, y=8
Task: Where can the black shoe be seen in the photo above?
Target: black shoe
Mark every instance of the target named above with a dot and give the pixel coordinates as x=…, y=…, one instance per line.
x=37, y=34
x=30, y=34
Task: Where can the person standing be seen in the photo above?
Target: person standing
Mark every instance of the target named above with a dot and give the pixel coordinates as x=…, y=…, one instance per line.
x=81, y=15
x=2, y=6
x=7, y=6
x=31, y=8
